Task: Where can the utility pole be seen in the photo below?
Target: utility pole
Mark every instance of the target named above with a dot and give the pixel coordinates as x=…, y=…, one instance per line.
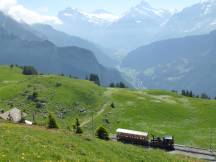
x=92, y=124
x=210, y=139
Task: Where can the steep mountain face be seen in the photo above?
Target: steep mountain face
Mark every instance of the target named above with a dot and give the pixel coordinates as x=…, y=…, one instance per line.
x=15, y=28
x=137, y=26
x=197, y=19
x=184, y=63
x=62, y=39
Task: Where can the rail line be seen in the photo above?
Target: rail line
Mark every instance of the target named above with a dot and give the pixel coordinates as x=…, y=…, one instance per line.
x=199, y=153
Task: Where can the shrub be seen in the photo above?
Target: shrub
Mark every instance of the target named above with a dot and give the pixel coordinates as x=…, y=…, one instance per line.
x=58, y=84
x=112, y=105
x=102, y=133
x=52, y=123
x=29, y=70
x=33, y=97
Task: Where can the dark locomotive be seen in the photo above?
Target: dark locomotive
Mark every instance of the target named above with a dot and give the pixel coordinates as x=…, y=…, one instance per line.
x=142, y=138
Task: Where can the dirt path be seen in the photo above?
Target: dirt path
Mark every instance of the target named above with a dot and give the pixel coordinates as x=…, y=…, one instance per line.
x=95, y=116
x=107, y=94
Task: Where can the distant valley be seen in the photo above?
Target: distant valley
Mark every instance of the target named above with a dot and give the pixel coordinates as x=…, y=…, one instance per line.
x=175, y=64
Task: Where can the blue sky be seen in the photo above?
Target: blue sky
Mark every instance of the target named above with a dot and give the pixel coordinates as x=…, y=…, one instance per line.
x=117, y=6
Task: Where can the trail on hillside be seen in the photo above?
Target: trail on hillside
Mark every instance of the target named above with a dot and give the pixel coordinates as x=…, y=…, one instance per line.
x=107, y=94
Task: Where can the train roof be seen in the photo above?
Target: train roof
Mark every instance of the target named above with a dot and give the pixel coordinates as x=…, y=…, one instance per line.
x=132, y=132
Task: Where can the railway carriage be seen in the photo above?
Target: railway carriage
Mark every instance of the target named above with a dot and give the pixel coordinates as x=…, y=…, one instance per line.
x=142, y=138
x=130, y=136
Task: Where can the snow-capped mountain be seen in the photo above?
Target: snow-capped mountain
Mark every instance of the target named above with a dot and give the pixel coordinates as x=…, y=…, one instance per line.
x=140, y=22
x=89, y=25
x=137, y=26
x=197, y=19
x=144, y=13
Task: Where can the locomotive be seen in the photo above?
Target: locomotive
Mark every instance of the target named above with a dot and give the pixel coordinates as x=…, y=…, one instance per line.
x=142, y=138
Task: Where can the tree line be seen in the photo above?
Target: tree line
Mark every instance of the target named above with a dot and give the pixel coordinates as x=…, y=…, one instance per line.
x=189, y=93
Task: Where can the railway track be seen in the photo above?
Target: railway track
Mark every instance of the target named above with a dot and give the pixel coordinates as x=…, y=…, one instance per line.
x=195, y=152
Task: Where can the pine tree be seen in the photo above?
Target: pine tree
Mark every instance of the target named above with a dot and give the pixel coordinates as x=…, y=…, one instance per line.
x=112, y=85
x=29, y=70
x=183, y=92
x=94, y=78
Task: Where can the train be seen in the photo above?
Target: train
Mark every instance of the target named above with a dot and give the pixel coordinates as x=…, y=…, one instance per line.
x=142, y=138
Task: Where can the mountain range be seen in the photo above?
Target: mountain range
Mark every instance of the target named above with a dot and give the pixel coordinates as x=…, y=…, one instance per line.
x=142, y=24
x=175, y=64
x=20, y=44
x=62, y=39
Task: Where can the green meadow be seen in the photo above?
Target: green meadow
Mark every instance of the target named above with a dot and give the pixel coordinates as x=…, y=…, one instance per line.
x=158, y=112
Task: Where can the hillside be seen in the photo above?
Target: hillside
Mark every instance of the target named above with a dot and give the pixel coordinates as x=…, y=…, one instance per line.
x=181, y=63
x=62, y=39
x=158, y=112
x=70, y=98
x=29, y=144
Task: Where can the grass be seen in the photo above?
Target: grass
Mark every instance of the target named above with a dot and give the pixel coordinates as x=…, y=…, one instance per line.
x=69, y=99
x=160, y=113
x=29, y=144
x=156, y=111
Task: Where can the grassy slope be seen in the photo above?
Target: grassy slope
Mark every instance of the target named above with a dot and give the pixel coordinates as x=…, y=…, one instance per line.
x=72, y=96
x=158, y=112
x=161, y=113
x=29, y=144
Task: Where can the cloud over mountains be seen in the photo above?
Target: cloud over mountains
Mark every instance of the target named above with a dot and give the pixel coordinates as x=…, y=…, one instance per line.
x=20, y=13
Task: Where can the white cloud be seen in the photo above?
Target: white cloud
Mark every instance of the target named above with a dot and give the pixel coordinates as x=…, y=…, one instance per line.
x=20, y=13
x=6, y=4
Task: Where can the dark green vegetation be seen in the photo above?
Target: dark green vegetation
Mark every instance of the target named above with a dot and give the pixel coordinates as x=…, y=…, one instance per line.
x=28, y=70
x=52, y=122
x=68, y=99
x=102, y=133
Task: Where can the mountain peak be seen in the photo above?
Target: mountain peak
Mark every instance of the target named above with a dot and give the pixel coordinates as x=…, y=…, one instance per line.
x=101, y=11
x=207, y=1
x=145, y=4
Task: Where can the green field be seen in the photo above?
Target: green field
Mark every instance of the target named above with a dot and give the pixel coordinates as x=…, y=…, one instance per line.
x=29, y=144
x=189, y=120
x=158, y=112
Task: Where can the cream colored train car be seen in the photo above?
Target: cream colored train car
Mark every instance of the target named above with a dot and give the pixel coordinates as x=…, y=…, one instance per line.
x=131, y=136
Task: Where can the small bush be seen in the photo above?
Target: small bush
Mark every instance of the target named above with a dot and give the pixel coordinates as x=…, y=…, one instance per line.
x=52, y=123
x=58, y=84
x=112, y=105
x=102, y=133
x=33, y=97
